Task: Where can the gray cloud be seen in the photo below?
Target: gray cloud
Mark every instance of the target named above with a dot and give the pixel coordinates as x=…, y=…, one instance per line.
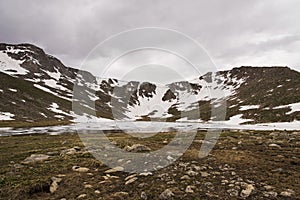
x=233, y=32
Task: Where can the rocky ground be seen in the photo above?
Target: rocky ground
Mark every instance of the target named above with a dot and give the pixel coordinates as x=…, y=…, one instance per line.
x=242, y=165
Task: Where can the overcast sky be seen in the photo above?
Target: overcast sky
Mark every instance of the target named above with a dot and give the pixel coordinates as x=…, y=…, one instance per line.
x=233, y=32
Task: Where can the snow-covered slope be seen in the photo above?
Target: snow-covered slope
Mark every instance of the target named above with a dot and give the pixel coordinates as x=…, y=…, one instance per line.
x=36, y=86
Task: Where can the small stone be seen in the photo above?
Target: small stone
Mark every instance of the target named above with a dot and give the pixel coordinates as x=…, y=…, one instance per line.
x=70, y=151
x=114, y=170
x=277, y=170
x=270, y=194
x=190, y=189
x=18, y=166
x=137, y=148
x=106, y=181
x=204, y=174
x=171, y=182
x=233, y=192
x=167, y=194
x=131, y=181
x=287, y=193
x=97, y=192
x=170, y=158
x=80, y=169
x=224, y=182
x=120, y=195
x=185, y=177
x=192, y=173
x=35, y=158
x=146, y=174
x=58, y=180
x=144, y=196
x=274, y=145
x=53, y=187
x=130, y=177
x=88, y=186
x=54, y=184
x=268, y=187
x=141, y=185
x=82, y=196
x=247, y=191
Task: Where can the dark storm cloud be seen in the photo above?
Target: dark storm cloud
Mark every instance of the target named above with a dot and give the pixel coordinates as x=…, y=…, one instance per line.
x=233, y=32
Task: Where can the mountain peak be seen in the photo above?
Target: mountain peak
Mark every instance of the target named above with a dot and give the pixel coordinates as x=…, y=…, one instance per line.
x=36, y=86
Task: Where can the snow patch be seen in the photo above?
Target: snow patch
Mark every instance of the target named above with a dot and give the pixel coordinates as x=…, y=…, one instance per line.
x=56, y=75
x=236, y=120
x=13, y=90
x=54, y=107
x=49, y=91
x=6, y=116
x=295, y=107
x=43, y=115
x=11, y=66
x=249, y=107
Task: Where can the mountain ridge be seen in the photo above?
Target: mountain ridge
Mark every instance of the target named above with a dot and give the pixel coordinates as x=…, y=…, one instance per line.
x=273, y=92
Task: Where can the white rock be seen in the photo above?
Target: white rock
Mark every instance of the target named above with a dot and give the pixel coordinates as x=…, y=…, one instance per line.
x=80, y=169
x=287, y=193
x=35, y=158
x=268, y=187
x=130, y=177
x=115, y=169
x=185, y=177
x=204, y=174
x=144, y=196
x=88, y=186
x=146, y=174
x=190, y=189
x=53, y=187
x=54, y=184
x=270, y=194
x=137, y=148
x=82, y=196
x=192, y=173
x=247, y=191
x=131, y=181
x=274, y=145
x=233, y=192
x=167, y=194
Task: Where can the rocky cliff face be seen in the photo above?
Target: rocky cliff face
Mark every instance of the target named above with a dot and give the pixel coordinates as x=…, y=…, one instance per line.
x=36, y=86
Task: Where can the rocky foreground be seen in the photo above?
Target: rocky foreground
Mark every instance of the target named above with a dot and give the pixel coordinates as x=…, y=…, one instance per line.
x=242, y=165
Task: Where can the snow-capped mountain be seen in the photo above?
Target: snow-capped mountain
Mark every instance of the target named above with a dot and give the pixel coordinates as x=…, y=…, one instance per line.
x=36, y=86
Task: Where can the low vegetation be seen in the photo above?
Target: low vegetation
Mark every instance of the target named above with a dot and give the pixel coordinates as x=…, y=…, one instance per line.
x=242, y=165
